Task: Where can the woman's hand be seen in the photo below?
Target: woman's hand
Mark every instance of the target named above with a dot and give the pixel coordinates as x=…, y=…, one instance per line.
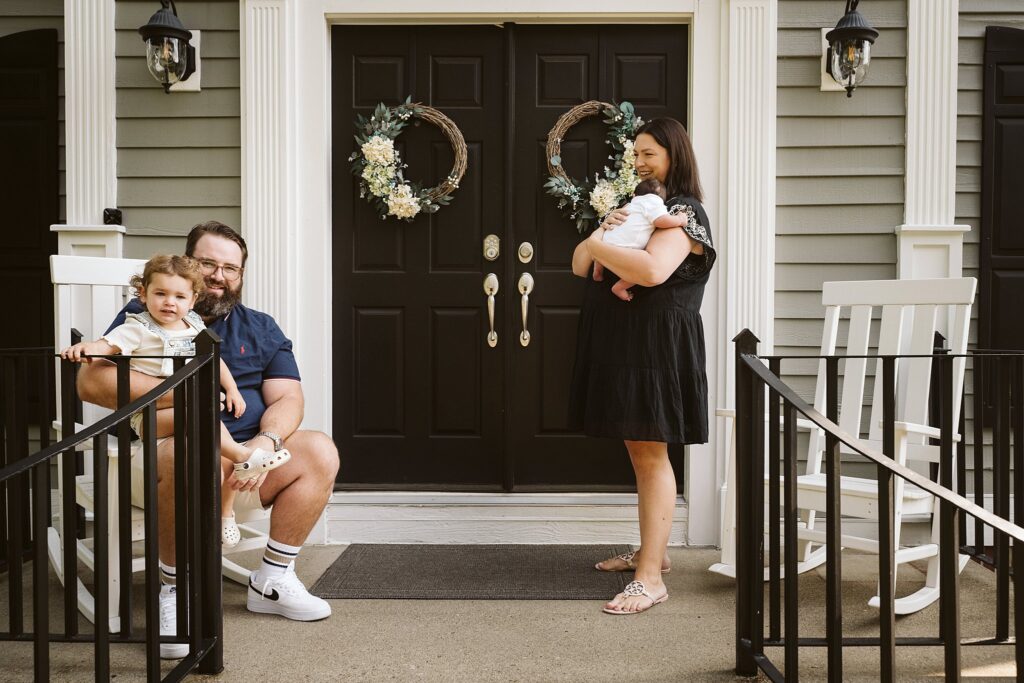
x=615, y=219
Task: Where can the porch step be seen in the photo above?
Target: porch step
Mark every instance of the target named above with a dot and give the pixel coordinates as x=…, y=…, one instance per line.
x=411, y=517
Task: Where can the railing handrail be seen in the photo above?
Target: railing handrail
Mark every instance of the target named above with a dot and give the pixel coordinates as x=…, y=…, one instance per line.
x=101, y=426
x=859, y=446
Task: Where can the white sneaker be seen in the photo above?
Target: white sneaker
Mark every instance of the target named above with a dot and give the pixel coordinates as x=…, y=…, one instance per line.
x=169, y=624
x=285, y=595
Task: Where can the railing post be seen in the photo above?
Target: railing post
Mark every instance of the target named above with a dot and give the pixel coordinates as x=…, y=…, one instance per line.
x=886, y=526
x=212, y=617
x=833, y=530
x=1018, y=508
x=949, y=545
x=746, y=574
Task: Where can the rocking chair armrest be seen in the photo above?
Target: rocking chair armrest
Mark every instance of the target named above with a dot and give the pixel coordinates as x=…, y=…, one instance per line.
x=802, y=424
x=923, y=430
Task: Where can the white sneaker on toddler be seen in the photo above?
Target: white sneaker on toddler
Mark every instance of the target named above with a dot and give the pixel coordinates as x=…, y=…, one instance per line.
x=261, y=461
x=229, y=532
x=285, y=595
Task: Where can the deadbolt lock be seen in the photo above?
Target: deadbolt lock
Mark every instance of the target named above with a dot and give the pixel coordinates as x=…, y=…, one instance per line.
x=525, y=252
x=492, y=247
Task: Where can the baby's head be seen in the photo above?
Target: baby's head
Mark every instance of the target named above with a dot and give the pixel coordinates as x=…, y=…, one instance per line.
x=650, y=186
x=169, y=286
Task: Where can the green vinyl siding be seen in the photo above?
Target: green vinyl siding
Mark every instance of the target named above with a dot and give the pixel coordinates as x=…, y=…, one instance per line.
x=839, y=175
x=30, y=15
x=839, y=169
x=179, y=154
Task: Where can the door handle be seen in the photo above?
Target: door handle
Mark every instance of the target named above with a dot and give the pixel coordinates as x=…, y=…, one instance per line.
x=525, y=287
x=490, y=289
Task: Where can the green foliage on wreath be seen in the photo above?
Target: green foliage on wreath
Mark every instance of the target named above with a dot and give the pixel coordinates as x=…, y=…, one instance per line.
x=380, y=169
x=585, y=201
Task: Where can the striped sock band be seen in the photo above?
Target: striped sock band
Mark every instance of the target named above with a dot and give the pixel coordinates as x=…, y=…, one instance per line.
x=168, y=575
x=277, y=557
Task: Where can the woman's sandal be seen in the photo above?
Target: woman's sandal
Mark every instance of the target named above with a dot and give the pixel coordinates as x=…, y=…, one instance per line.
x=261, y=461
x=229, y=533
x=637, y=588
x=628, y=558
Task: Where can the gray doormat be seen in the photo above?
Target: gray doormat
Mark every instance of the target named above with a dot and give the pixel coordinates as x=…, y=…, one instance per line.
x=472, y=572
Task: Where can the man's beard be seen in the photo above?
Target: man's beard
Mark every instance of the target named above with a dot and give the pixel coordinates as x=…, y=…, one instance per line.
x=209, y=307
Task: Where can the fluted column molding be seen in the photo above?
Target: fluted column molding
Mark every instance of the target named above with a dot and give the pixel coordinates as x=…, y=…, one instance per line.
x=749, y=235
x=930, y=243
x=90, y=125
x=268, y=212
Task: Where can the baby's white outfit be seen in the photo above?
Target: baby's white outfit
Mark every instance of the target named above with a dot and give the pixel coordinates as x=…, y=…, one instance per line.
x=639, y=225
x=140, y=335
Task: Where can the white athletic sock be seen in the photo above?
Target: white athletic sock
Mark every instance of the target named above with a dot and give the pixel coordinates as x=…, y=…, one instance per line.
x=276, y=559
x=168, y=575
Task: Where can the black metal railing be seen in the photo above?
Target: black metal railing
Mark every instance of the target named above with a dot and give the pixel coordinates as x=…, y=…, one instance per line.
x=757, y=376
x=26, y=513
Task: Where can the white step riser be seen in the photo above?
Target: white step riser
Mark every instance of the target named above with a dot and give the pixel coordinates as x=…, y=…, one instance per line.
x=488, y=518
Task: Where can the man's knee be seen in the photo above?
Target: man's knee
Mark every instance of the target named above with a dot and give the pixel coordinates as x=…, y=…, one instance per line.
x=321, y=455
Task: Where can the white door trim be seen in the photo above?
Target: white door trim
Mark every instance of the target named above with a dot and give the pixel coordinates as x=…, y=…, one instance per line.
x=286, y=180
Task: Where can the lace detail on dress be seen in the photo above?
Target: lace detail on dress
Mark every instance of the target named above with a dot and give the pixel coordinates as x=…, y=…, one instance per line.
x=695, y=265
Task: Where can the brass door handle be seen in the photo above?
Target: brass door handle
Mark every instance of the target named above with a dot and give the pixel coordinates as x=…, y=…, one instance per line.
x=525, y=287
x=490, y=289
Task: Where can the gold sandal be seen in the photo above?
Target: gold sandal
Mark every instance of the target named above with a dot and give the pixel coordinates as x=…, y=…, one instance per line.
x=637, y=588
x=630, y=563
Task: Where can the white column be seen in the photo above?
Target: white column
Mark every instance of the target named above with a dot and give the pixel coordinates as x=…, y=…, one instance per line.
x=90, y=117
x=268, y=215
x=930, y=244
x=747, y=237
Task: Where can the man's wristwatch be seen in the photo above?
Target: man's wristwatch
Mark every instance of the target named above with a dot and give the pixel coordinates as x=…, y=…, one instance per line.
x=276, y=438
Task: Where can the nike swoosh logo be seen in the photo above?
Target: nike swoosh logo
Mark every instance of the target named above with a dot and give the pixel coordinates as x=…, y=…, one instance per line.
x=272, y=595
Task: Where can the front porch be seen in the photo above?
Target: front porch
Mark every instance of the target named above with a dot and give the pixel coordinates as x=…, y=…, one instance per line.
x=689, y=638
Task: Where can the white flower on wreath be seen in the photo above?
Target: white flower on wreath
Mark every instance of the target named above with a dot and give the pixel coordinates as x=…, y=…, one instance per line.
x=379, y=179
x=402, y=203
x=627, y=180
x=604, y=197
x=379, y=149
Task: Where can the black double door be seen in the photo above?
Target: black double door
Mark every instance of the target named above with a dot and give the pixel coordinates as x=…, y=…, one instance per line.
x=421, y=400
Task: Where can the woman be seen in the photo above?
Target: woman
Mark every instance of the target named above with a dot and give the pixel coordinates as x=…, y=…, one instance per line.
x=639, y=373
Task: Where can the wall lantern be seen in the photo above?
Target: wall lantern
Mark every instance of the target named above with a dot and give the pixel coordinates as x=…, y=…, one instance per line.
x=849, y=48
x=169, y=55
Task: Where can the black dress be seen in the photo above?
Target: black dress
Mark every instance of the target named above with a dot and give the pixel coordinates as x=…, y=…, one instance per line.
x=640, y=365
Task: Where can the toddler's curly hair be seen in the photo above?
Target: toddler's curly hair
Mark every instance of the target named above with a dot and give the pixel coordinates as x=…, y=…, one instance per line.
x=170, y=264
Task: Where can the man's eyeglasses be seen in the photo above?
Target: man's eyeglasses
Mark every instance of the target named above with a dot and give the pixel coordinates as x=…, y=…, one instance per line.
x=210, y=267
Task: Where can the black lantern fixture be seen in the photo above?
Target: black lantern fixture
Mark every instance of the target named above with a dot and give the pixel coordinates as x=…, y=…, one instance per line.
x=169, y=55
x=849, y=48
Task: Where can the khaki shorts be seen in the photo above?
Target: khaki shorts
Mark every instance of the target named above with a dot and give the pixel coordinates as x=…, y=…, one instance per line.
x=247, y=503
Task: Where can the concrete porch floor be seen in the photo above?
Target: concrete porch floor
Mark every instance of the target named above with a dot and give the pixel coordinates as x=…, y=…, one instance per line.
x=688, y=638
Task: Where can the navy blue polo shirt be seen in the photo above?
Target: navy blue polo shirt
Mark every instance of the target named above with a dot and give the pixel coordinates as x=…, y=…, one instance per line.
x=255, y=349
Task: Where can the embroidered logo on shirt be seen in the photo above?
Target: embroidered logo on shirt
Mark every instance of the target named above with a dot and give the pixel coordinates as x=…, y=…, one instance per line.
x=242, y=349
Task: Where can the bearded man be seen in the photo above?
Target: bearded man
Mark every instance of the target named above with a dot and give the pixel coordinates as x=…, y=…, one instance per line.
x=260, y=359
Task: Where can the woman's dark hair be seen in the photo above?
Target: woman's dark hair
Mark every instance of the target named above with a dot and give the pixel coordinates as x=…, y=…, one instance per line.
x=215, y=228
x=683, y=177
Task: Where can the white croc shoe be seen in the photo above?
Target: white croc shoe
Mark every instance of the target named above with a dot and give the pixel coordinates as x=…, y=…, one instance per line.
x=285, y=595
x=261, y=461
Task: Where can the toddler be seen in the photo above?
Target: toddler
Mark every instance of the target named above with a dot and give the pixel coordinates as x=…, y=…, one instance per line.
x=168, y=288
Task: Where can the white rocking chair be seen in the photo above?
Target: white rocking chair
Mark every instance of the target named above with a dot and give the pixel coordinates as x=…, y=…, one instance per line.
x=910, y=310
x=88, y=292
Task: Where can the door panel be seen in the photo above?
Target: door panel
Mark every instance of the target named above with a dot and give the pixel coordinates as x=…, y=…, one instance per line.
x=1002, y=229
x=420, y=399
x=558, y=67
x=29, y=190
